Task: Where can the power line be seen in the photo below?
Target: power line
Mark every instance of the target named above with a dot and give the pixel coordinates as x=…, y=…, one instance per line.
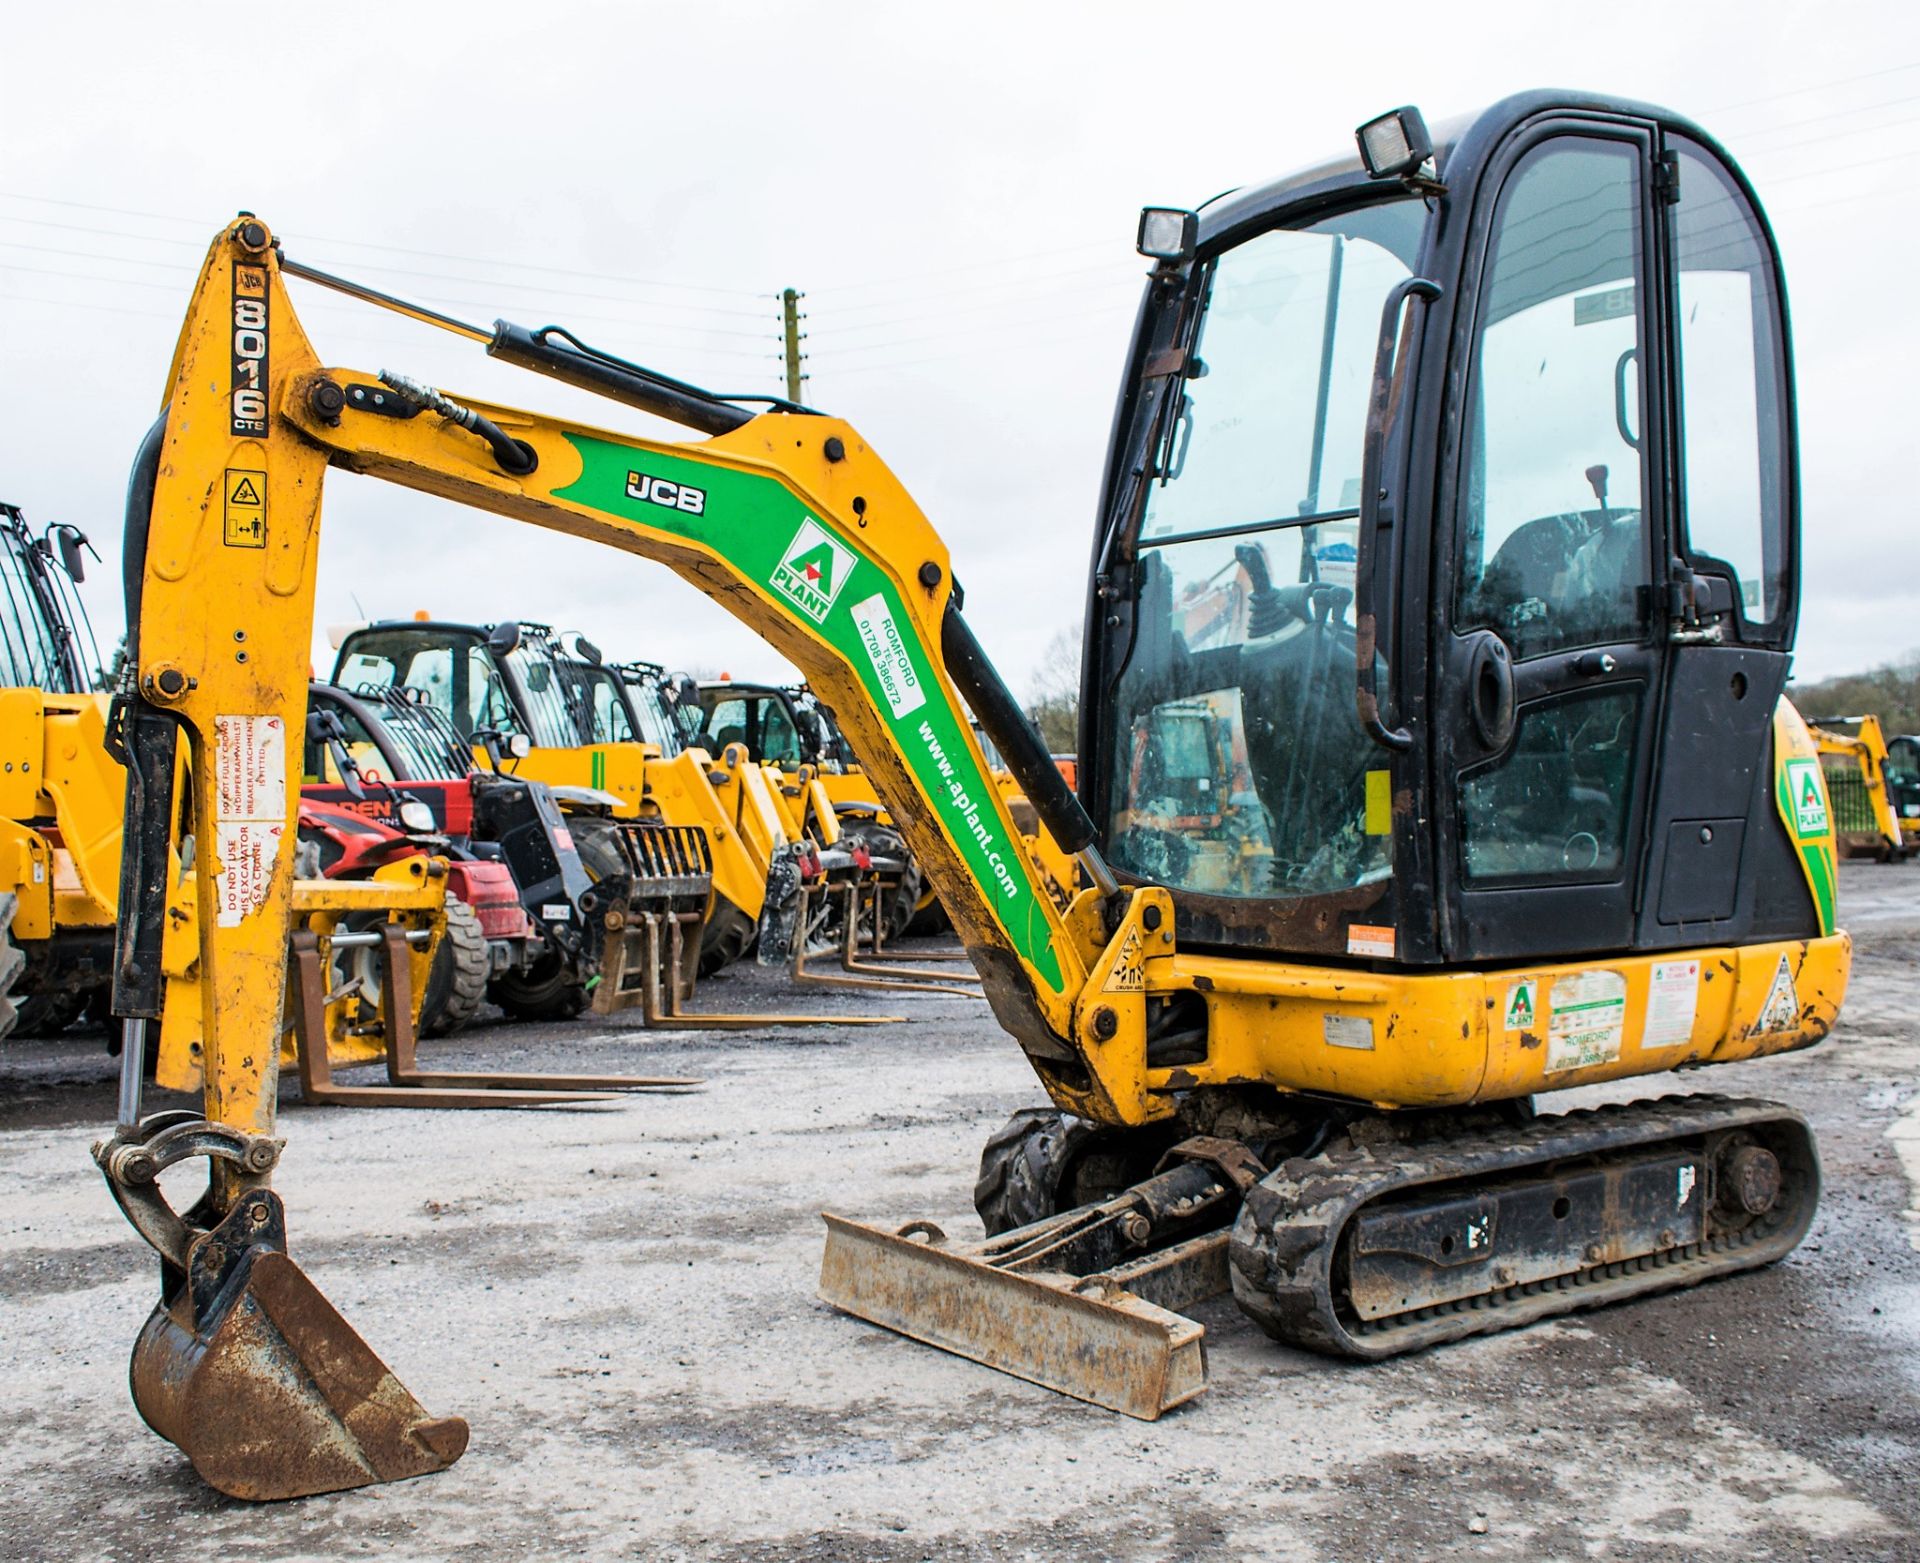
x=1844, y=81
x=402, y=271
x=941, y=336
x=184, y=272
x=1817, y=119
x=1116, y=290
x=365, y=244
x=952, y=271
x=1831, y=135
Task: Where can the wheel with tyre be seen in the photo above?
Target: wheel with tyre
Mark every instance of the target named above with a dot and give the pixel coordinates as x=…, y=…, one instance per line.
x=547, y=990
x=726, y=936
x=48, y=1014
x=457, y=981
x=882, y=841
x=1043, y=1161
x=12, y=963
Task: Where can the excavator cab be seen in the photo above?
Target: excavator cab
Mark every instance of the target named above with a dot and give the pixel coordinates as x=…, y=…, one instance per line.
x=1504, y=434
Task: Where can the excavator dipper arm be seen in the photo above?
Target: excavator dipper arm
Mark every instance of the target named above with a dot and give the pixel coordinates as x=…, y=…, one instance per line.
x=788, y=519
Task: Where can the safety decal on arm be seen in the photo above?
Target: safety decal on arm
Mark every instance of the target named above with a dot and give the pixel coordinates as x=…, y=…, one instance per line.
x=250, y=777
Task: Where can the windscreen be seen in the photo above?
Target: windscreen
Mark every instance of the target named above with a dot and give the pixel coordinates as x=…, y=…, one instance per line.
x=455, y=672
x=1237, y=765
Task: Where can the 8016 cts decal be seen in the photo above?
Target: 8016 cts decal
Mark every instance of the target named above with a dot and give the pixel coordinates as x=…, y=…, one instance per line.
x=249, y=411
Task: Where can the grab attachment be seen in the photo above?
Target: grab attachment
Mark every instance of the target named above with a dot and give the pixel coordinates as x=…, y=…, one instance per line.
x=243, y=1364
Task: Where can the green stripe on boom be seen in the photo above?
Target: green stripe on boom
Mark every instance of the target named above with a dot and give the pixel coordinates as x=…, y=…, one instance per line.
x=764, y=532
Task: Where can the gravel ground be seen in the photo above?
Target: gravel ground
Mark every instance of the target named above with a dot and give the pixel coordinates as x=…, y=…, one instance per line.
x=621, y=1301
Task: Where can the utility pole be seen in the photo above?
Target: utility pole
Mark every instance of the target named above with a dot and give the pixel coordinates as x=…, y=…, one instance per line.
x=792, y=336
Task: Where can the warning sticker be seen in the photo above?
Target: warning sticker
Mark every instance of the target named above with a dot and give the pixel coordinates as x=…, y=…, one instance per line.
x=246, y=514
x=1364, y=940
x=1523, y=1004
x=1589, y=1018
x=1781, y=1012
x=887, y=651
x=250, y=766
x=1673, y=993
x=250, y=775
x=1129, y=974
x=247, y=851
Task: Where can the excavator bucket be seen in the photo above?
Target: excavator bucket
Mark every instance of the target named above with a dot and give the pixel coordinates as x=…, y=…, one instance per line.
x=257, y=1378
x=243, y=1364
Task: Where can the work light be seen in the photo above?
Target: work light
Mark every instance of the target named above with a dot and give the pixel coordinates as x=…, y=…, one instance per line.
x=1394, y=145
x=1167, y=233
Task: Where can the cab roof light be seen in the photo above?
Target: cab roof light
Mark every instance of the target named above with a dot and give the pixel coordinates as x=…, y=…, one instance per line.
x=1167, y=234
x=1395, y=145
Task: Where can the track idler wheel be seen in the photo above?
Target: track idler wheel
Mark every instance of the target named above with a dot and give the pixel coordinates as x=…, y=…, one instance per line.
x=243, y=1364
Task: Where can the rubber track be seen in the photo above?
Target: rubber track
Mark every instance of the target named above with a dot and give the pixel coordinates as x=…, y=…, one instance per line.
x=1288, y=1233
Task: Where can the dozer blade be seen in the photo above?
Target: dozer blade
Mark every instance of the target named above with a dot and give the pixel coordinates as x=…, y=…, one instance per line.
x=256, y=1377
x=1085, y=1336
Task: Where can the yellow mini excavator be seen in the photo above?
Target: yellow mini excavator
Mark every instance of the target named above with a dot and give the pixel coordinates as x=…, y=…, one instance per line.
x=1855, y=757
x=1482, y=788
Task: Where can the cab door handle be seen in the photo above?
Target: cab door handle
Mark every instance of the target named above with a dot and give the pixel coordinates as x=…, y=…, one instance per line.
x=1490, y=694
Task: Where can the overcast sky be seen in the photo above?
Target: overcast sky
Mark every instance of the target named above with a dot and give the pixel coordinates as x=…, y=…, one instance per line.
x=954, y=187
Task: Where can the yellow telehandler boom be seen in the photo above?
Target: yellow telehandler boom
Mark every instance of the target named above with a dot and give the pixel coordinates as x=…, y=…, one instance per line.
x=1381, y=846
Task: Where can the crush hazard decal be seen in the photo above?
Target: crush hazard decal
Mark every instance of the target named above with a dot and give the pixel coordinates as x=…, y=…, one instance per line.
x=1129, y=974
x=246, y=509
x=249, y=397
x=1781, y=1012
x=767, y=535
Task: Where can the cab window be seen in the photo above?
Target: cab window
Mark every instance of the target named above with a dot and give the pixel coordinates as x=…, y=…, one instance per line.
x=1553, y=546
x=1733, y=389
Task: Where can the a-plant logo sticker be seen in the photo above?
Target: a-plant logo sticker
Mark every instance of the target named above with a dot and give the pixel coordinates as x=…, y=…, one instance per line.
x=812, y=570
x=1809, y=797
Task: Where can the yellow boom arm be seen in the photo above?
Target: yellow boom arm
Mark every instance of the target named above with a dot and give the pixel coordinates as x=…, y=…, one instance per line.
x=790, y=521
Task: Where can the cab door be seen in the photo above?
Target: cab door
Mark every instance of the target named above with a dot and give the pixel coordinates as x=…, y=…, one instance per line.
x=1550, y=644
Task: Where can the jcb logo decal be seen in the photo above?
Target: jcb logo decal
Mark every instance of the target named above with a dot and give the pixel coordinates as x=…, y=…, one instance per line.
x=671, y=496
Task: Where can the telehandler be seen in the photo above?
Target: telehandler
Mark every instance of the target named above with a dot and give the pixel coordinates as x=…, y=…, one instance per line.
x=1512, y=802
x=517, y=678
x=59, y=790
x=550, y=898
